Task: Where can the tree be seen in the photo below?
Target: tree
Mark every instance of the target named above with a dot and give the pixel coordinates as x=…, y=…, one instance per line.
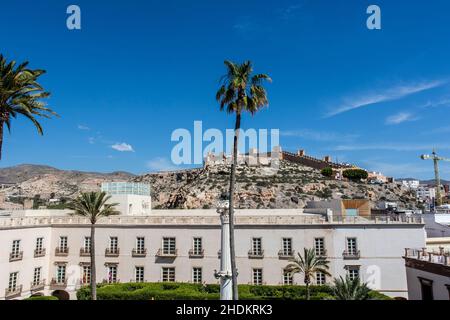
x=350, y=289
x=240, y=91
x=327, y=172
x=308, y=265
x=355, y=174
x=93, y=205
x=21, y=94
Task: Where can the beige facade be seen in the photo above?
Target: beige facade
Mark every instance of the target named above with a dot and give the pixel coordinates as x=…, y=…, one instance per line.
x=370, y=248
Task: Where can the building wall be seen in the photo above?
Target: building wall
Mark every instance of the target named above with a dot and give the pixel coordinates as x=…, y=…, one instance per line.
x=381, y=248
x=440, y=291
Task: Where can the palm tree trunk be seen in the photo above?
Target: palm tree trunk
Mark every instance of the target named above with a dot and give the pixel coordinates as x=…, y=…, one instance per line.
x=1, y=137
x=93, y=270
x=307, y=290
x=231, y=200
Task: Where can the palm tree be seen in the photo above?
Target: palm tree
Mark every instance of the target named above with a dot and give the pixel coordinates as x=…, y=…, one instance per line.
x=240, y=91
x=93, y=206
x=308, y=265
x=21, y=94
x=350, y=289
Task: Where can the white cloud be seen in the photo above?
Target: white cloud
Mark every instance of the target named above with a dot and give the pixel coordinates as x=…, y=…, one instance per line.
x=161, y=164
x=319, y=135
x=83, y=127
x=91, y=140
x=394, y=93
x=400, y=118
x=122, y=147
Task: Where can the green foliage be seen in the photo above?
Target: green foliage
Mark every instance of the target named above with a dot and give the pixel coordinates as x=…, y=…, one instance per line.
x=355, y=174
x=42, y=298
x=327, y=172
x=188, y=291
x=348, y=289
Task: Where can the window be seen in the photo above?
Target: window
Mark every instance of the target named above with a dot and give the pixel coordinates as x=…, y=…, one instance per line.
x=197, y=246
x=321, y=278
x=140, y=245
x=352, y=248
x=113, y=244
x=12, y=284
x=39, y=244
x=87, y=245
x=287, y=246
x=353, y=272
x=288, y=278
x=169, y=246
x=139, y=274
x=257, y=246
x=112, y=274
x=197, y=275
x=37, y=276
x=168, y=274
x=15, y=250
x=426, y=287
x=319, y=246
x=257, y=277
x=62, y=244
x=61, y=273
x=86, y=274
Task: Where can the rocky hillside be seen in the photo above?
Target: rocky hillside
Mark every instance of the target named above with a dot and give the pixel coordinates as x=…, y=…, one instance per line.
x=257, y=187
x=261, y=187
x=31, y=180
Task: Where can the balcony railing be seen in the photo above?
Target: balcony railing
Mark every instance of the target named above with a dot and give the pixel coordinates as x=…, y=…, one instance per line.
x=196, y=253
x=13, y=292
x=56, y=284
x=85, y=252
x=39, y=252
x=286, y=254
x=15, y=256
x=351, y=254
x=256, y=254
x=112, y=252
x=167, y=254
x=439, y=257
x=139, y=253
x=37, y=286
x=61, y=251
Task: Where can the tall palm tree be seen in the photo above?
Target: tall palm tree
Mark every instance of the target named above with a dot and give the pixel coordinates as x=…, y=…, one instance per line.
x=240, y=91
x=93, y=206
x=350, y=289
x=308, y=265
x=21, y=94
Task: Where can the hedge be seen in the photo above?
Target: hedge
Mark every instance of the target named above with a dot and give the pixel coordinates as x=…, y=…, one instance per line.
x=42, y=298
x=187, y=291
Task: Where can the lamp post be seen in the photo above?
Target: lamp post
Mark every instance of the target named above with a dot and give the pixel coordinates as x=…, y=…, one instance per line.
x=226, y=290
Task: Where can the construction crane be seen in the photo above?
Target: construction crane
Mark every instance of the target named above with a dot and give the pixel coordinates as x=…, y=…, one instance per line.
x=436, y=160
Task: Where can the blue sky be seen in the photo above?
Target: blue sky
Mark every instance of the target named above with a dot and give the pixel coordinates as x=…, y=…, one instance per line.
x=140, y=69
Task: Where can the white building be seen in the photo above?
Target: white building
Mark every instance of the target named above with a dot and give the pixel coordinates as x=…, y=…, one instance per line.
x=411, y=184
x=47, y=251
x=426, y=193
x=428, y=274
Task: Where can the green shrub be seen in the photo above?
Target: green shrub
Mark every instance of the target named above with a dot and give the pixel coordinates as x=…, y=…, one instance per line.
x=355, y=174
x=42, y=298
x=188, y=291
x=327, y=172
